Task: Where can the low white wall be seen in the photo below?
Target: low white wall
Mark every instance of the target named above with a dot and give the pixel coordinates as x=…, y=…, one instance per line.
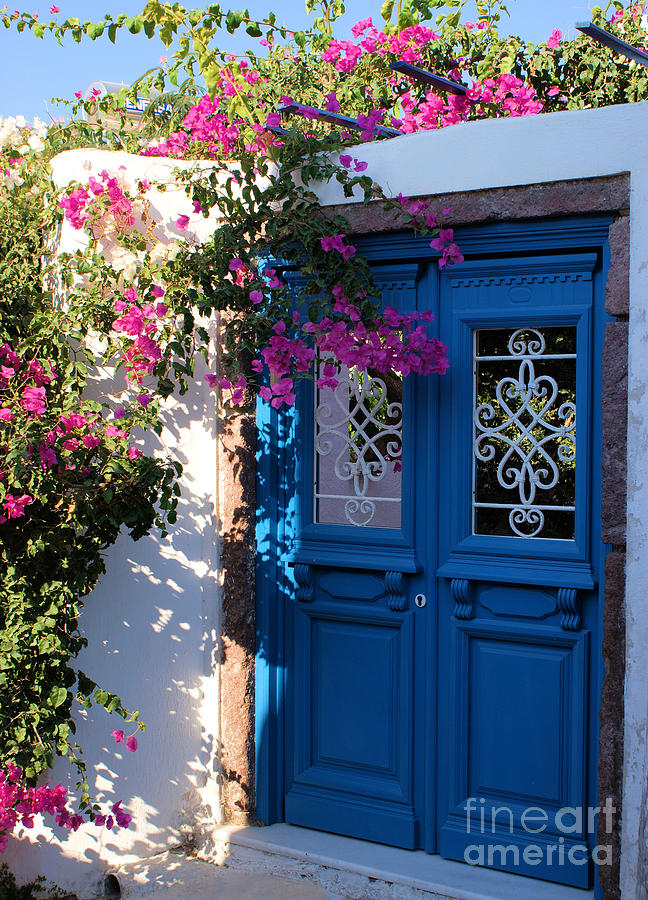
x=152, y=624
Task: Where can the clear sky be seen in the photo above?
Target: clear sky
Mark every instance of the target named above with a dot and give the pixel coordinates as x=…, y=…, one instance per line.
x=33, y=71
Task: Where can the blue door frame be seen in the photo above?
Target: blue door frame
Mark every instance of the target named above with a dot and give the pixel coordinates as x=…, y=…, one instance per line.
x=459, y=663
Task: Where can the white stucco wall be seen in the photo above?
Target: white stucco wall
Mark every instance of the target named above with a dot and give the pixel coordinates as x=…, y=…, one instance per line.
x=156, y=613
x=152, y=625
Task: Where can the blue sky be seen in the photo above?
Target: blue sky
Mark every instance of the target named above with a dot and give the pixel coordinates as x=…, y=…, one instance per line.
x=34, y=71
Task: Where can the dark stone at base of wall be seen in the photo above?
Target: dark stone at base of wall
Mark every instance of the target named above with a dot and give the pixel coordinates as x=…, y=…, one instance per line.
x=610, y=762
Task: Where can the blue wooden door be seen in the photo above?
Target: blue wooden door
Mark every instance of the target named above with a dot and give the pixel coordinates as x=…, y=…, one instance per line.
x=430, y=569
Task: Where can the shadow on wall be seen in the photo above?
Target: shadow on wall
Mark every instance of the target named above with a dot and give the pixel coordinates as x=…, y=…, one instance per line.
x=152, y=624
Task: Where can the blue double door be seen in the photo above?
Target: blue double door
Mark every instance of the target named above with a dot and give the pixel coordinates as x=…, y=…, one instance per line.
x=430, y=570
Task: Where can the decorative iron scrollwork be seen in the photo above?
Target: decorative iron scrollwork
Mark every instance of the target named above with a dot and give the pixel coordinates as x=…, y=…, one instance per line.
x=361, y=427
x=518, y=428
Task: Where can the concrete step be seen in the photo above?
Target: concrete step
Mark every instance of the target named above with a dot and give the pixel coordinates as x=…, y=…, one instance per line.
x=360, y=870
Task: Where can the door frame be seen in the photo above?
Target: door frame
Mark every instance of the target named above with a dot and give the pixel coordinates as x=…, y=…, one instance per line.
x=277, y=430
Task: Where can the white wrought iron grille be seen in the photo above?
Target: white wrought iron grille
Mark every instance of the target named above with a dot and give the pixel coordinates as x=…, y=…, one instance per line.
x=524, y=438
x=358, y=447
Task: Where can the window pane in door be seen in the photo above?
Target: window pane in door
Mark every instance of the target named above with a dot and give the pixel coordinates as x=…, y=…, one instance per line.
x=358, y=447
x=524, y=432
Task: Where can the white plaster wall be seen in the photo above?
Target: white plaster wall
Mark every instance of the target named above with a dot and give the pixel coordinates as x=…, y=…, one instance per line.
x=555, y=147
x=152, y=625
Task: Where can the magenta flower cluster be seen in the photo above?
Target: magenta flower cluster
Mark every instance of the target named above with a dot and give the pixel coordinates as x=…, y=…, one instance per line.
x=104, y=205
x=142, y=323
x=19, y=805
x=68, y=442
x=345, y=55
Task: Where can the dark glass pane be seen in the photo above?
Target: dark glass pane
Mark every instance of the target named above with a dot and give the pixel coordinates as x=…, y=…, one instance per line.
x=524, y=452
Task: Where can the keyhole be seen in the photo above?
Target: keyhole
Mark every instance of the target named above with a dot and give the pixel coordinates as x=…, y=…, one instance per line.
x=420, y=600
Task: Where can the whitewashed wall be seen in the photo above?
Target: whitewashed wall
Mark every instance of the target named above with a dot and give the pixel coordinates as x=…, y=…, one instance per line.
x=152, y=625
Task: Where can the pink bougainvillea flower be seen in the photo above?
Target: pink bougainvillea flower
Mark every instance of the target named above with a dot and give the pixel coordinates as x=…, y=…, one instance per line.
x=553, y=91
x=361, y=26
x=256, y=296
x=118, y=734
x=119, y=413
x=113, y=431
x=134, y=453
x=122, y=818
x=90, y=441
x=555, y=39
x=74, y=420
x=182, y=222
x=198, y=207
x=273, y=120
x=157, y=290
x=212, y=380
x=346, y=160
x=15, y=506
x=5, y=414
x=33, y=400
x=332, y=102
x=274, y=281
x=47, y=456
x=235, y=264
x=54, y=10
x=131, y=743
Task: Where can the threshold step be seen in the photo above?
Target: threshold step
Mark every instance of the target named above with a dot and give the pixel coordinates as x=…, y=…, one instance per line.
x=359, y=870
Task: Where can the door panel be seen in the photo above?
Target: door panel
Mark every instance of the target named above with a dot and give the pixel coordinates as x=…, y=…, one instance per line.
x=517, y=598
x=353, y=720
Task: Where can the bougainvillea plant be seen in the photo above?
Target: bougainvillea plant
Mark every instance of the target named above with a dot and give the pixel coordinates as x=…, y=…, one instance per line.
x=280, y=271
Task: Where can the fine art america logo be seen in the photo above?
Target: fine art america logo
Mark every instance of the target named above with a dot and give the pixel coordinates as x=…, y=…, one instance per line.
x=561, y=835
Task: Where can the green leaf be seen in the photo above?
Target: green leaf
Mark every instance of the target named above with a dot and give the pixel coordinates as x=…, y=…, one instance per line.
x=233, y=19
x=58, y=696
x=386, y=10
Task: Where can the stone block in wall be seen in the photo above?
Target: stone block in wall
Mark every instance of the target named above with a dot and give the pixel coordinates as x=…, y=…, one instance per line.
x=617, y=289
x=614, y=402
